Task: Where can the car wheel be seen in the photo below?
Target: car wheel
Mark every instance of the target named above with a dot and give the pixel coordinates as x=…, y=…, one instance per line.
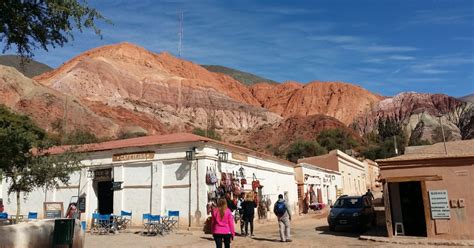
x=332, y=228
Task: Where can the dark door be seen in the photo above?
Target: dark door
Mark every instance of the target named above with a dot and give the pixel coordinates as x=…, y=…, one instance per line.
x=412, y=209
x=105, y=197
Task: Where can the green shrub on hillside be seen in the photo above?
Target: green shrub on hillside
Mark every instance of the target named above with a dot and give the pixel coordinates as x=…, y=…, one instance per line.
x=303, y=148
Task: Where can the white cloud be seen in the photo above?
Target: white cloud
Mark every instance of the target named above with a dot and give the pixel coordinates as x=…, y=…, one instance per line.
x=401, y=57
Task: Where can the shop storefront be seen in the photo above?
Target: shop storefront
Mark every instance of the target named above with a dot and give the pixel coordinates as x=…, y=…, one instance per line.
x=429, y=193
x=157, y=174
x=317, y=187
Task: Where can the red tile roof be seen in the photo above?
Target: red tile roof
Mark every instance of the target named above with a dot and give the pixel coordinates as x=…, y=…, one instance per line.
x=158, y=140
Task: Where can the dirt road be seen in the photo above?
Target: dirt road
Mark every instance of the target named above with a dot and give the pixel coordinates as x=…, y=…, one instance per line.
x=306, y=232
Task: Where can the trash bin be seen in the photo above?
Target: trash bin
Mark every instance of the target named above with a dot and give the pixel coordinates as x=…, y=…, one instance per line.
x=63, y=233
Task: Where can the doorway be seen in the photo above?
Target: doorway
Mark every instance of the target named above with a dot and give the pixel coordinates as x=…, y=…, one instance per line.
x=105, y=197
x=406, y=202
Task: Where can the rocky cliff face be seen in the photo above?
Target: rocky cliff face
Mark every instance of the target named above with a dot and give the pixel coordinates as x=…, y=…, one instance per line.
x=178, y=93
x=340, y=100
x=274, y=138
x=125, y=88
x=47, y=106
x=411, y=108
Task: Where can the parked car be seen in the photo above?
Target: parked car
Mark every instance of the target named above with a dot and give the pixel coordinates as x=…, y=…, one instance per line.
x=353, y=211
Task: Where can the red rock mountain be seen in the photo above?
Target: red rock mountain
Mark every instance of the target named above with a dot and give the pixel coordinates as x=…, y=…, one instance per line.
x=279, y=136
x=176, y=92
x=48, y=108
x=340, y=100
x=124, y=87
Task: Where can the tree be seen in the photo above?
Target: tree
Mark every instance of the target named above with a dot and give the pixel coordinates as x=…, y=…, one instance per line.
x=211, y=133
x=437, y=135
x=32, y=24
x=302, y=148
x=24, y=158
x=337, y=138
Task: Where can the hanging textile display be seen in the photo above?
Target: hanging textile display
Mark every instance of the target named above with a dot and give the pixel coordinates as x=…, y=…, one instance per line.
x=255, y=183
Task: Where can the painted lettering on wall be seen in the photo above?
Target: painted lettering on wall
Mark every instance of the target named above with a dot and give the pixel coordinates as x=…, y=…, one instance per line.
x=240, y=157
x=133, y=156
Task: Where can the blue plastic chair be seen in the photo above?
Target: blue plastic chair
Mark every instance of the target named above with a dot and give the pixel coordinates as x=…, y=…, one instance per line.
x=4, y=219
x=174, y=219
x=32, y=216
x=104, y=223
x=94, y=223
x=3, y=216
x=124, y=220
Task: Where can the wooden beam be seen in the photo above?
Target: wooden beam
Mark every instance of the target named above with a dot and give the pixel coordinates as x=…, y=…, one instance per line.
x=426, y=207
x=388, y=212
x=412, y=178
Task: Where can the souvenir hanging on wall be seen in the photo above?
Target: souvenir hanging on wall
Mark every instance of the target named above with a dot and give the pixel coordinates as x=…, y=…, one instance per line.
x=212, y=176
x=208, y=176
x=255, y=183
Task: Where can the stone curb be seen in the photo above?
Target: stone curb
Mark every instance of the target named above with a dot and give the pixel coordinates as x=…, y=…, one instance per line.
x=418, y=241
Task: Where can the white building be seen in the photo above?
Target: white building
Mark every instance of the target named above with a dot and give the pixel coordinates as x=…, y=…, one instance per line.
x=352, y=171
x=372, y=172
x=152, y=174
x=323, y=182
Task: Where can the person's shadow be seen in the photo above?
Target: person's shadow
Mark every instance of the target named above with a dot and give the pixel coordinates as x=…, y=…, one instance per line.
x=266, y=239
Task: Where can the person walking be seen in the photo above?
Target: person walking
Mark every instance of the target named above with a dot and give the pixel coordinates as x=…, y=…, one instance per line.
x=222, y=224
x=370, y=196
x=241, y=212
x=282, y=211
x=248, y=208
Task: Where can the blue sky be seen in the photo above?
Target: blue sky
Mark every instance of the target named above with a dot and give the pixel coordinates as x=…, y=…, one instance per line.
x=384, y=46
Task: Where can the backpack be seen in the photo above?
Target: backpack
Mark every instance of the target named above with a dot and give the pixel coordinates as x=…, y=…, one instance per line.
x=280, y=208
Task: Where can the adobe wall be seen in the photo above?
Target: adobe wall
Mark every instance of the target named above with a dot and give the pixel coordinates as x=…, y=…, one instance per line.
x=459, y=181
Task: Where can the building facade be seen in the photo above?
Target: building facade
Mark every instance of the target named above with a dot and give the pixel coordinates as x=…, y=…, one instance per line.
x=372, y=172
x=428, y=193
x=156, y=174
x=353, y=172
x=316, y=185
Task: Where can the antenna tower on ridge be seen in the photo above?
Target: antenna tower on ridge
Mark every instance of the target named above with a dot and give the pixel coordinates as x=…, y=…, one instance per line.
x=180, y=34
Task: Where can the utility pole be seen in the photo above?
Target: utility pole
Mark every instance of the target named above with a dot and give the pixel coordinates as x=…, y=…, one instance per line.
x=444, y=138
x=64, y=134
x=180, y=34
x=395, y=144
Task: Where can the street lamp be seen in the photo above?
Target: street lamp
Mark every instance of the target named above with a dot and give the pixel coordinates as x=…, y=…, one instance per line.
x=191, y=154
x=222, y=155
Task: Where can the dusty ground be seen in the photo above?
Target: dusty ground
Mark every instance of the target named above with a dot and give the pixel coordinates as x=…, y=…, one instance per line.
x=306, y=232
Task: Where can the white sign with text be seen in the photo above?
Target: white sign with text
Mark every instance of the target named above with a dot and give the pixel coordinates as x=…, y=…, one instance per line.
x=439, y=204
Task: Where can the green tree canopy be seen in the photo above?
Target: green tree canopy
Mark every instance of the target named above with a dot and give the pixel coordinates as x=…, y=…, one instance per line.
x=303, y=148
x=337, y=138
x=32, y=24
x=211, y=133
x=24, y=162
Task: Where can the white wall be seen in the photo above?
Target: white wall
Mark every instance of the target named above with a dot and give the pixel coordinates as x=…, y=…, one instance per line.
x=171, y=184
x=322, y=179
x=353, y=175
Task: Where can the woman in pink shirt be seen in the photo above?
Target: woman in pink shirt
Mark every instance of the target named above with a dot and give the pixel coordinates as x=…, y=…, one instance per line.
x=222, y=224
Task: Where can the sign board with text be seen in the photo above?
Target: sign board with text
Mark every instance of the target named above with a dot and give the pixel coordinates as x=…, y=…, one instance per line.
x=439, y=204
x=53, y=210
x=133, y=156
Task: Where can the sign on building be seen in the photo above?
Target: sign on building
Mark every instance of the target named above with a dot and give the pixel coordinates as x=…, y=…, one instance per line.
x=133, y=156
x=53, y=210
x=103, y=175
x=439, y=204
